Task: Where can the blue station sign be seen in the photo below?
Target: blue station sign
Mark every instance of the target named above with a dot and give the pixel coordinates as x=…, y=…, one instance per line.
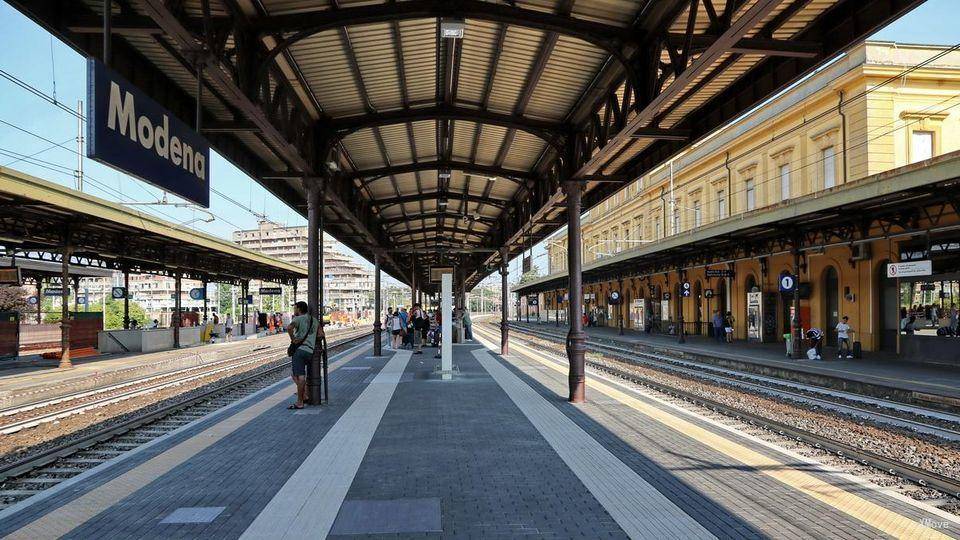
x=129, y=131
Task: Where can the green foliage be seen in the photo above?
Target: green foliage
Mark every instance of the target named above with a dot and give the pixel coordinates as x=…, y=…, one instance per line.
x=530, y=275
x=13, y=299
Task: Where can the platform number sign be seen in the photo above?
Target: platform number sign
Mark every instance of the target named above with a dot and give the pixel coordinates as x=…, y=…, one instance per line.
x=198, y=293
x=82, y=300
x=708, y=293
x=788, y=283
x=615, y=298
x=118, y=293
x=33, y=300
x=685, y=289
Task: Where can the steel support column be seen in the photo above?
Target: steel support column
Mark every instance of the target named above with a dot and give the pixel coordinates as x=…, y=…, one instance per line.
x=65, y=305
x=797, y=329
x=204, y=300
x=315, y=370
x=680, y=333
x=377, y=331
x=126, y=297
x=576, y=338
x=39, y=300
x=504, y=306
x=620, y=307
x=175, y=320
x=313, y=248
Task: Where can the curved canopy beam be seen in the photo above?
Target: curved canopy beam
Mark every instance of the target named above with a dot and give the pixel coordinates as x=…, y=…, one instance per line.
x=552, y=133
x=439, y=229
x=452, y=198
x=391, y=222
x=371, y=175
x=299, y=26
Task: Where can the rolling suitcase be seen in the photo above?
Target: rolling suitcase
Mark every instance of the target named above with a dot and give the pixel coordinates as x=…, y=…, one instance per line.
x=857, y=351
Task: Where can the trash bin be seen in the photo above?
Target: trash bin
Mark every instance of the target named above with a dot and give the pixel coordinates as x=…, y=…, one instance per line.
x=788, y=339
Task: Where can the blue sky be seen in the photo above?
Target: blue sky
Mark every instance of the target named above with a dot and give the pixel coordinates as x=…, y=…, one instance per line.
x=52, y=67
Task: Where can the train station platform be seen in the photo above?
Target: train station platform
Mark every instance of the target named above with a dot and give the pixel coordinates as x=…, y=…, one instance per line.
x=494, y=452
x=876, y=374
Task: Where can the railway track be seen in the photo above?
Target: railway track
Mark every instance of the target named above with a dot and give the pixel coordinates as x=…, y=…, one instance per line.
x=947, y=485
x=42, y=470
x=920, y=419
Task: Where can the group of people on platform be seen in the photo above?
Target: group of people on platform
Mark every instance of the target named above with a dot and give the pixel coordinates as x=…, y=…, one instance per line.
x=418, y=327
x=945, y=320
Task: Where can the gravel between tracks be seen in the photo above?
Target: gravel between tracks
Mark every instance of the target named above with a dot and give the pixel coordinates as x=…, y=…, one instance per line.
x=921, y=450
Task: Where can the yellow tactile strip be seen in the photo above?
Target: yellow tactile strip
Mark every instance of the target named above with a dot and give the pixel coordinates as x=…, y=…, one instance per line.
x=66, y=518
x=870, y=513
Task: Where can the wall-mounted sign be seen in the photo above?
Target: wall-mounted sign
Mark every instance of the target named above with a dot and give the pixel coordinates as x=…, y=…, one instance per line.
x=33, y=300
x=685, y=289
x=719, y=273
x=908, y=269
x=787, y=283
x=666, y=296
x=270, y=291
x=708, y=293
x=117, y=293
x=532, y=301
x=614, y=298
x=53, y=291
x=10, y=276
x=198, y=293
x=131, y=132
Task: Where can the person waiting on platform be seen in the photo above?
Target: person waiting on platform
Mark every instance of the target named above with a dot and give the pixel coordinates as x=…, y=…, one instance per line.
x=843, y=338
x=728, y=326
x=815, y=337
x=467, y=325
x=303, y=339
x=396, y=330
x=155, y=324
x=718, y=329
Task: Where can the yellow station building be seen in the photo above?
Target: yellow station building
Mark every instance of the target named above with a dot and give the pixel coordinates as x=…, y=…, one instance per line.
x=874, y=121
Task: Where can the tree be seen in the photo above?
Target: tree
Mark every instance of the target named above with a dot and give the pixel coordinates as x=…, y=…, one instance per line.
x=113, y=318
x=530, y=275
x=12, y=299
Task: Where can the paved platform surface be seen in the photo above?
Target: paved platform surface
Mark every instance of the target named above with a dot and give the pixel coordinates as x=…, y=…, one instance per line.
x=873, y=369
x=493, y=453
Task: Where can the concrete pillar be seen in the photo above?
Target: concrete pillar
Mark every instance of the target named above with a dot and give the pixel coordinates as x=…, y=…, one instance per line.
x=65, y=306
x=504, y=306
x=377, y=330
x=446, y=321
x=576, y=338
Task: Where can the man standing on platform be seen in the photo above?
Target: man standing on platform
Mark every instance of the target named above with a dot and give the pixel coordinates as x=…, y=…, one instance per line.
x=718, y=330
x=303, y=339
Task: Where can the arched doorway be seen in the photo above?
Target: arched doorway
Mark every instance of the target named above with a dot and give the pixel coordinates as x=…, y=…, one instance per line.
x=721, y=295
x=831, y=303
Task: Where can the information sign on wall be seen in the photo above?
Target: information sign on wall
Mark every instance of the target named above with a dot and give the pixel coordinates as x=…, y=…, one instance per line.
x=131, y=132
x=911, y=268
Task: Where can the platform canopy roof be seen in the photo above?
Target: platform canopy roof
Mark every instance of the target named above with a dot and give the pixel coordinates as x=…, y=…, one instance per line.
x=38, y=218
x=438, y=149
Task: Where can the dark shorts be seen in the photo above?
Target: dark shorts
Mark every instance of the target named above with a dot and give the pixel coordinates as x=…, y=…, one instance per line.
x=396, y=332
x=300, y=360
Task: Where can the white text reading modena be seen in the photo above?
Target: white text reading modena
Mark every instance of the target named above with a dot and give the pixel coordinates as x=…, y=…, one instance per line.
x=141, y=130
